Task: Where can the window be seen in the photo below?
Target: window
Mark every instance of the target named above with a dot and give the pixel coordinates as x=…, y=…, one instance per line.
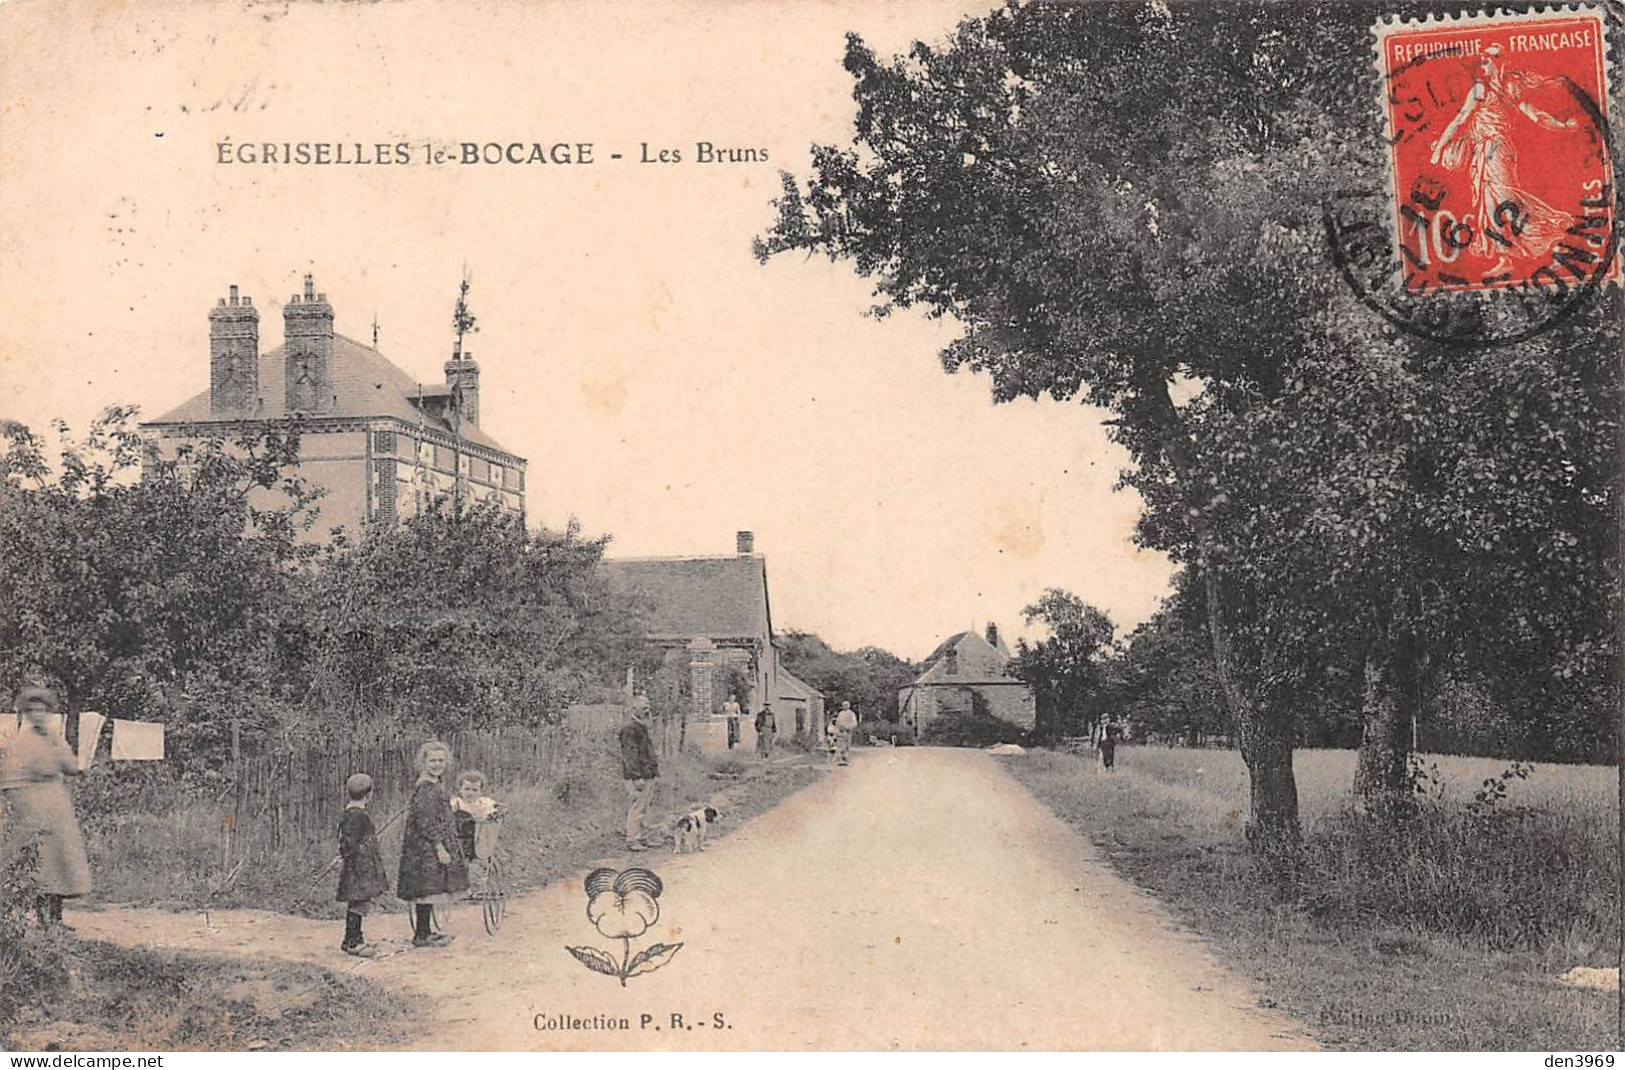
x=496, y=474
x=952, y=668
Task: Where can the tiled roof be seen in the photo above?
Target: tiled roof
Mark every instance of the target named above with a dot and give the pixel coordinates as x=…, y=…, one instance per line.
x=792, y=686
x=979, y=662
x=715, y=597
x=365, y=383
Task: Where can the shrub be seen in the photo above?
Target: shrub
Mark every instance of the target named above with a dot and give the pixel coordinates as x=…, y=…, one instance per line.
x=893, y=732
x=956, y=728
x=33, y=972
x=727, y=765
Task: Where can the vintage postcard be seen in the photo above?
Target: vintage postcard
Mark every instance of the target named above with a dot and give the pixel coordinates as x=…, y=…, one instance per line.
x=810, y=525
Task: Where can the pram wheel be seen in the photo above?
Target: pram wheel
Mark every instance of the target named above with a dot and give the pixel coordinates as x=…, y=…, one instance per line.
x=494, y=897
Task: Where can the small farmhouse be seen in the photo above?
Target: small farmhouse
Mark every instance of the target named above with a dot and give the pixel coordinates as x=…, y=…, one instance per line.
x=715, y=611
x=963, y=670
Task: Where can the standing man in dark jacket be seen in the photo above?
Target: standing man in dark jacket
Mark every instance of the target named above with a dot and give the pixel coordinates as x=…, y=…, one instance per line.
x=639, y=767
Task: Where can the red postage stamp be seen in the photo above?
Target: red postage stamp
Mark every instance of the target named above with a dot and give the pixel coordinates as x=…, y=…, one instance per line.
x=1500, y=158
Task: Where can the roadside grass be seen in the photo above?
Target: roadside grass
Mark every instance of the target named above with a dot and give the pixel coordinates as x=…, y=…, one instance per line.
x=89, y=996
x=82, y=995
x=1448, y=936
x=551, y=830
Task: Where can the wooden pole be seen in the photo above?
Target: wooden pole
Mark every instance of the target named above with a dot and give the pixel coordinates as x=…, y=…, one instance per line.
x=236, y=786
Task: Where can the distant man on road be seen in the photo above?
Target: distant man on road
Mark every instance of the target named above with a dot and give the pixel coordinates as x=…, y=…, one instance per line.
x=639, y=767
x=846, y=722
x=1108, y=745
x=766, y=729
x=730, y=710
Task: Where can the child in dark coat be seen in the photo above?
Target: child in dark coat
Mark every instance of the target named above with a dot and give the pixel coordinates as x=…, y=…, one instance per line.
x=361, y=874
x=432, y=865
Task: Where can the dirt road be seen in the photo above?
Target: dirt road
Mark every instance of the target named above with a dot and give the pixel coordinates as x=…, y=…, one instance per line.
x=919, y=899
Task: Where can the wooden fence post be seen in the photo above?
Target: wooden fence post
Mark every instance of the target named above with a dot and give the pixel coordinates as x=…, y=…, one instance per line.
x=236, y=789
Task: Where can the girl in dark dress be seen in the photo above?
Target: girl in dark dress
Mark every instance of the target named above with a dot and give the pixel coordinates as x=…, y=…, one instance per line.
x=432, y=865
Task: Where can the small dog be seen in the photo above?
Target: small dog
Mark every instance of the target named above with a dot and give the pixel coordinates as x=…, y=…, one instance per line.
x=692, y=829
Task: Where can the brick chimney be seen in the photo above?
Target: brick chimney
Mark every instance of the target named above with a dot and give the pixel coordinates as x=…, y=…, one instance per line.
x=234, y=357
x=746, y=542
x=463, y=376
x=307, y=334
x=992, y=635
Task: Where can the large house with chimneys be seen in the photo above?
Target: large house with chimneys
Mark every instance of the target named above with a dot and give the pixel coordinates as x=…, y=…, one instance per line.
x=377, y=442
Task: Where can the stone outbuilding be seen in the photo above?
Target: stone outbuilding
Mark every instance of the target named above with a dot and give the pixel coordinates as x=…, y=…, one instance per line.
x=963, y=670
x=715, y=612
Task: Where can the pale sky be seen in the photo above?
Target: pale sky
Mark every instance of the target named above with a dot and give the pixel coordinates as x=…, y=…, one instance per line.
x=665, y=387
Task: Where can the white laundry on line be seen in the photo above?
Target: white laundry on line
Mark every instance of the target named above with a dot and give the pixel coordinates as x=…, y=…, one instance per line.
x=138, y=741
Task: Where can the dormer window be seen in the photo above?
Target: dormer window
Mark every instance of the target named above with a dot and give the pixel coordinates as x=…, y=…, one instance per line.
x=952, y=668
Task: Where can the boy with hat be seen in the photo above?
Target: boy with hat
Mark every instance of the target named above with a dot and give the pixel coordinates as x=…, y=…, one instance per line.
x=361, y=876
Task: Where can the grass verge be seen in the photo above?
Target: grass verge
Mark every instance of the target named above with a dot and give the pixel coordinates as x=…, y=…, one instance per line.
x=88, y=996
x=67, y=994
x=166, y=856
x=1386, y=971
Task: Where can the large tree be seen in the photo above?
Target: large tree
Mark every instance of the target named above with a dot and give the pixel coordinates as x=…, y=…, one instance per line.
x=458, y=618
x=127, y=578
x=1052, y=181
x=1067, y=668
x=868, y=677
x=1111, y=224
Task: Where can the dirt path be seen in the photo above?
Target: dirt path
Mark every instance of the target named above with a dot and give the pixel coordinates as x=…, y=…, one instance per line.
x=919, y=899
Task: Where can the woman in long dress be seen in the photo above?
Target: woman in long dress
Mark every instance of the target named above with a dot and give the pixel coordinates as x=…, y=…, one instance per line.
x=38, y=807
x=1482, y=135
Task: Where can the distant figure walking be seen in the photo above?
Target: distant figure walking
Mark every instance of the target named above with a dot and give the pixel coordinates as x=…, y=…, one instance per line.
x=639, y=768
x=846, y=722
x=766, y=729
x=1108, y=745
x=38, y=807
x=730, y=710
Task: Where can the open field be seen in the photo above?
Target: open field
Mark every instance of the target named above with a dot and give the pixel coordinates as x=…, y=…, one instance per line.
x=1449, y=935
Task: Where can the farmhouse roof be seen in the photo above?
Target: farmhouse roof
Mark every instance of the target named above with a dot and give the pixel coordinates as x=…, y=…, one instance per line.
x=688, y=597
x=978, y=662
x=792, y=686
x=365, y=383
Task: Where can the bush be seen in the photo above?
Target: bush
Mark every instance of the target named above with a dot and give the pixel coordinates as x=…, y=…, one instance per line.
x=1507, y=877
x=33, y=972
x=893, y=732
x=727, y=765
x=956, y=728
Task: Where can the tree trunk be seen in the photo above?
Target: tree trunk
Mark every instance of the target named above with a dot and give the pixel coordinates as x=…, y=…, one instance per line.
x=1392, y=696
x=1382, y=786
x=1266, y=732
x=1266, y=735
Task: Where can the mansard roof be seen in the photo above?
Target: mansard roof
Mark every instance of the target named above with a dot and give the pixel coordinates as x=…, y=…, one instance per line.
x=365, y=384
